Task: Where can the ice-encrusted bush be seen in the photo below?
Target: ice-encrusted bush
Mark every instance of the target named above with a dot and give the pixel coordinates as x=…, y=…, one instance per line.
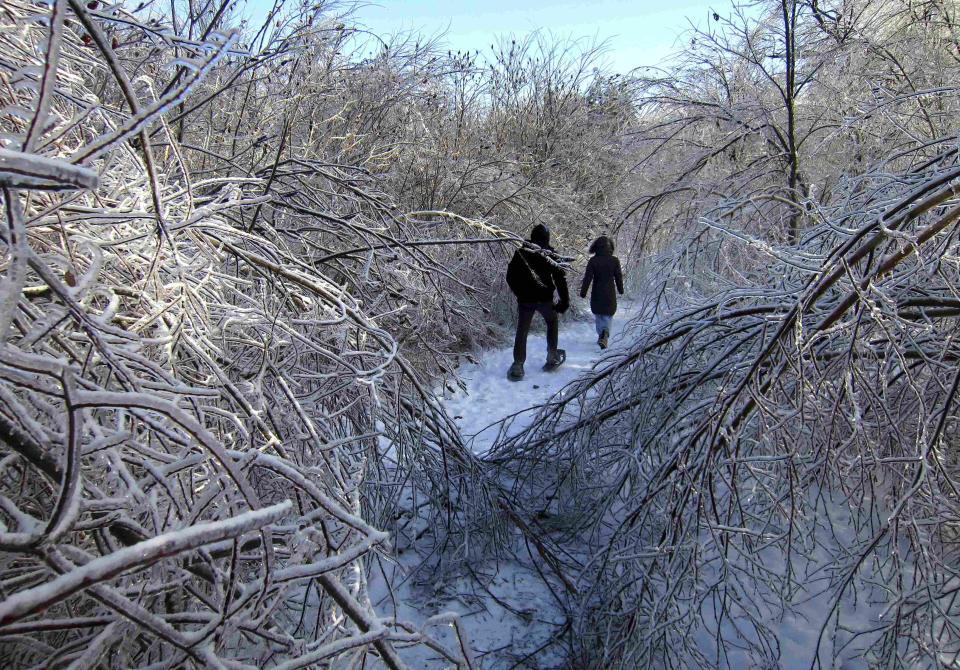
x=192, y=391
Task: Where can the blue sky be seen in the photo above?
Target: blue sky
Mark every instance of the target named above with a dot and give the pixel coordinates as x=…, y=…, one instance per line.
x=637, y=32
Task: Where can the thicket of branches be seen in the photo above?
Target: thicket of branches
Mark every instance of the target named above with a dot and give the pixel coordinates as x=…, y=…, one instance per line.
x=768, y=474
x=197, y=359
x=220, y=335
x=238, y=265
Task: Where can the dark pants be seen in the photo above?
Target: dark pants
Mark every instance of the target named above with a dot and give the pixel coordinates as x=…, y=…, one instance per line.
x=525, y=318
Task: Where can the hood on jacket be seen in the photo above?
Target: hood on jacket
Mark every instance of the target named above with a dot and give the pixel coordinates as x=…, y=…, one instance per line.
x=540, y=235
x=602, y=246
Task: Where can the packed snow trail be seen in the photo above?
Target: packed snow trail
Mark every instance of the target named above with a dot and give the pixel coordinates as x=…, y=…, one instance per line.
x=490, y=397
x=509, y=614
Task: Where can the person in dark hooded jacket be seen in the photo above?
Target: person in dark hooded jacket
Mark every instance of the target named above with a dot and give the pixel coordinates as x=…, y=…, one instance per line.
x=533, y=275
x=603, y=271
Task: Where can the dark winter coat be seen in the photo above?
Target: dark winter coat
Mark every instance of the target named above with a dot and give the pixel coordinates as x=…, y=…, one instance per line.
x=533, y=278
x=603, y=270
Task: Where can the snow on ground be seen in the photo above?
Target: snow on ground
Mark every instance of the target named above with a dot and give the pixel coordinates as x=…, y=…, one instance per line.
x=490, y=397
x=509, y=616
x=507, y=610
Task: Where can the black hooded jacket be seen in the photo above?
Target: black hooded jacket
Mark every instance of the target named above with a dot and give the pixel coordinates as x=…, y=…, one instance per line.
x=603, y=270
x=533, y=278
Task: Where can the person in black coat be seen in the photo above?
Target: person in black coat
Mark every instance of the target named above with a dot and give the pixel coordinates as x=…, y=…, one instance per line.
x=533, y=275
x=603, y=271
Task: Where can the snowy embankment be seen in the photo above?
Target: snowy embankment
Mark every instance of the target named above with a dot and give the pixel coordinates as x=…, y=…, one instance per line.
x=507, y=608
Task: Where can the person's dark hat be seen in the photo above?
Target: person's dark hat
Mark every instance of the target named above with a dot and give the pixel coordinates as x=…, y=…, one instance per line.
x=540, y=235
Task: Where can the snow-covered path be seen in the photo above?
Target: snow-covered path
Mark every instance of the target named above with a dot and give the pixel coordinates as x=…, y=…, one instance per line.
x=489, y=397
x=509, y=613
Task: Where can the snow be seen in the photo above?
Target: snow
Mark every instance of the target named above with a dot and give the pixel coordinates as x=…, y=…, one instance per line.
x=489, y=397
x=507, y=610
x=796, y=630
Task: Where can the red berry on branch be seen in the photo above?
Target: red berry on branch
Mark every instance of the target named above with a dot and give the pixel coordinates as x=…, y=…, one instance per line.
x=93, y=4
x=87, y=39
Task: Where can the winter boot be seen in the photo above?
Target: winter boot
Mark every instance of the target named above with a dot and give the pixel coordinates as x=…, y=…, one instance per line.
x=604, y=339
x=515, y=373
x=555, y=359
